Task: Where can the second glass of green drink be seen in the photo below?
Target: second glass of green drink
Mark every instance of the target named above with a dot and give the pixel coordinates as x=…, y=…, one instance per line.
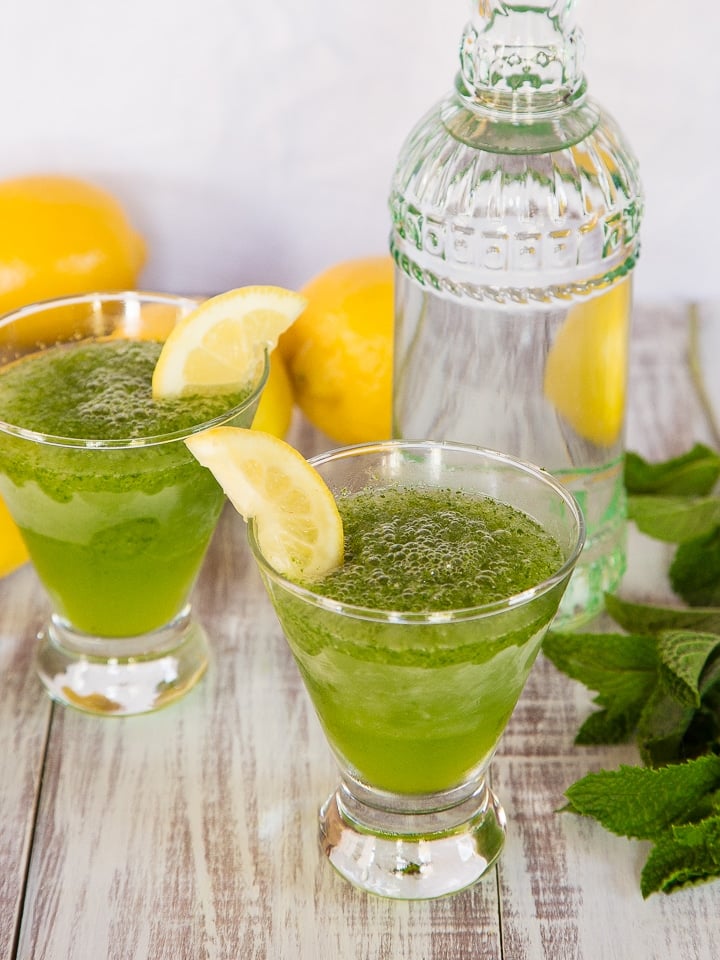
x=416, y=650
x=116, y=513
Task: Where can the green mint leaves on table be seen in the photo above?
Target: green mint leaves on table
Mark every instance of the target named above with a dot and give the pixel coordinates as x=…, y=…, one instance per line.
x=658, y=683
x=676, y=807
x=673, y=501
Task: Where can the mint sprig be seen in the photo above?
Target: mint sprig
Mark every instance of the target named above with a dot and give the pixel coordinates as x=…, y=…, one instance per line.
x=659, y=690
x=645, y=804
x=677, y=808
x=658, y=683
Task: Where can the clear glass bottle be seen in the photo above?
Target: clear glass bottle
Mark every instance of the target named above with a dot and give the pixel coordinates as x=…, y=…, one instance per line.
x=516, y=206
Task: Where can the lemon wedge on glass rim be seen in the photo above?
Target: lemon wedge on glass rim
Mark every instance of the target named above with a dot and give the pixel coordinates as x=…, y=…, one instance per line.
x=220, y=346
x=298, y=527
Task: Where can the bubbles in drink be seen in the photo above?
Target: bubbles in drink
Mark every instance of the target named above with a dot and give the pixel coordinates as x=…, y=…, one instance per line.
x=101, y=390
x=427, y=549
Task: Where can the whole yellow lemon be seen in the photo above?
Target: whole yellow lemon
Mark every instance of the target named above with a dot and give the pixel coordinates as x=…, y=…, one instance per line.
x=339, y=351
x=60, y=235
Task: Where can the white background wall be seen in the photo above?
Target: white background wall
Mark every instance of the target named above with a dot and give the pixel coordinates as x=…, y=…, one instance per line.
x=254, y=140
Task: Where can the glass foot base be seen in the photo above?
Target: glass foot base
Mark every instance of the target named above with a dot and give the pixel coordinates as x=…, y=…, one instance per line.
x=416, y=856
x=121, y=677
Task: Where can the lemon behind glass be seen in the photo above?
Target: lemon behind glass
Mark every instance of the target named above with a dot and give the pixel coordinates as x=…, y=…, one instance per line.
x=60, y=235
x=274, y=412
x=586, y=369
x=339, y=352
x=63, y=235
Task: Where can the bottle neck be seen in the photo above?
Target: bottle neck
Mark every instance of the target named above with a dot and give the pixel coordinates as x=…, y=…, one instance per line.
x=521, y=61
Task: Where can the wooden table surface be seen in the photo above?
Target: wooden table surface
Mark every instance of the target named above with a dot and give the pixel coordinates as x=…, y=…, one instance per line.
x=190, y=834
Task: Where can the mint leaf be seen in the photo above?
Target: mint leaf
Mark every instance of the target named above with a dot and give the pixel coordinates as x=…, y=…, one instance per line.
x=703, y=733
x=606, y=662
x=621, y=669
x=688, y=854
x=695, y=570
x=674, y=519
x=692, y=474
x=662, y=729
x=642, y=802
x=683, y=655
x=646, y=618
x=604, y=726
x=670, y=727
x=710, y=678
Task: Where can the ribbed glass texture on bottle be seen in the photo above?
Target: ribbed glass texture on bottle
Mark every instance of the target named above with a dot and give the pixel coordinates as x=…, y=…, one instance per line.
x=513, y=227
x=514, y=243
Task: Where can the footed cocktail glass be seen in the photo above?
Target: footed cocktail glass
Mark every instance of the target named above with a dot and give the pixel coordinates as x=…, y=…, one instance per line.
x=414, y=699
x=117, y=518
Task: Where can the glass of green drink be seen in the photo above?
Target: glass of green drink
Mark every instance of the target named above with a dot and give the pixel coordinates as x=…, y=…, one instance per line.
x=116, y=513
x=415, y=651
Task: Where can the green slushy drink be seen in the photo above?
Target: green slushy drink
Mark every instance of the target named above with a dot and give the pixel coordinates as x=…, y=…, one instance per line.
x=416, y=707
x=116, y=513
x=416, y=649
x=117, y=535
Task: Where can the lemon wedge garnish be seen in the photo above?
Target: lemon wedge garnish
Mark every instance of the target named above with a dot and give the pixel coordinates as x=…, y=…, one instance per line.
x=586, y=369
x=298, y=527
x=220, y=346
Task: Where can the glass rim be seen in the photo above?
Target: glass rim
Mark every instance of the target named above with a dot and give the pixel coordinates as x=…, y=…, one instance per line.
x=124, y=443
x=478, y=611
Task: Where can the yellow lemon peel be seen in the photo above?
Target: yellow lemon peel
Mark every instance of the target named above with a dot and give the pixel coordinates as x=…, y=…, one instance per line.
x=339, y=353
x=586, y=369
x=220, y=346
x=298, y=526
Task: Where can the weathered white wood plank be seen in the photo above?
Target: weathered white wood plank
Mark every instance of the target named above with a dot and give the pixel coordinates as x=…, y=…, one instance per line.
x=24, y=720
x=705, y=357
x=665, y=415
